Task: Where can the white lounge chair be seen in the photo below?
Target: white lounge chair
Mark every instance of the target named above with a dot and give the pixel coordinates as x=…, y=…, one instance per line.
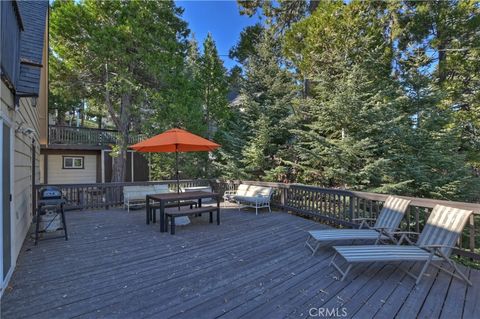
x=250, y=196
x=388, y=220
x=135, y=195
x=434, y=244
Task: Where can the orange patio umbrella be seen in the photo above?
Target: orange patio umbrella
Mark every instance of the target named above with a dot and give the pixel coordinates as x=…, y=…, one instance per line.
x=175, y=140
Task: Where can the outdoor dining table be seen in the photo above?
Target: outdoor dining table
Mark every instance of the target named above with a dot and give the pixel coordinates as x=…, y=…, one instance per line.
x=165, y=198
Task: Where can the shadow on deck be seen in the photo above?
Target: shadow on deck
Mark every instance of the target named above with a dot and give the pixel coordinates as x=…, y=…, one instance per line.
x=115, y=266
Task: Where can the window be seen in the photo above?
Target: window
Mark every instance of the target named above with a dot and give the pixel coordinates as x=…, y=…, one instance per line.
x=73, y=162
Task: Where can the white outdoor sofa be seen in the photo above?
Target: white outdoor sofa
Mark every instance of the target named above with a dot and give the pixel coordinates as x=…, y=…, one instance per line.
x=250, y=196
x=134, y=196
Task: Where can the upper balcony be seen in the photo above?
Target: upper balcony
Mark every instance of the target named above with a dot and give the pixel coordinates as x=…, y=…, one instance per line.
x=75, y=137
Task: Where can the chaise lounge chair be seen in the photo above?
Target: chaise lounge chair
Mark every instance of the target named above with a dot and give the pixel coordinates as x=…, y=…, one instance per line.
x=388, y=221
x=434, y=244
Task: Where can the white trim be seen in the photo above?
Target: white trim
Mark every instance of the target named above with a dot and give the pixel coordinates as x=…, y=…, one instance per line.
x=5, y=280
x=73, y=158
x=12, y=202
x=6, y=118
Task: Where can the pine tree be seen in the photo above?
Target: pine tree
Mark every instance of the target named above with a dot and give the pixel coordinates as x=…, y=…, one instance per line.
x=342, y=126
x=213, y=77
x=265, y=102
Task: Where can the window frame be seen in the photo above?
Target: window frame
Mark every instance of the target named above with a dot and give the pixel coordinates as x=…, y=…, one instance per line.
x=73, y=162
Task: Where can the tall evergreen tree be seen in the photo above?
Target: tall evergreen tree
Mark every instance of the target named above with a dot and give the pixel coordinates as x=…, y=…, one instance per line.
x=343, y=125
x=265, y=102
x=213, y=77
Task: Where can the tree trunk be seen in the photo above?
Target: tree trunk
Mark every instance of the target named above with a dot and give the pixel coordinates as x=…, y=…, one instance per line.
x=121, y=119
x=119, y=163
x=119, y=173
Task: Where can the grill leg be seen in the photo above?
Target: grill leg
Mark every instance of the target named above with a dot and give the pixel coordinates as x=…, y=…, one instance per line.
x=218, y=211
x=172, y=225
x=64, y=222
x=147, y=213
x=37, y=226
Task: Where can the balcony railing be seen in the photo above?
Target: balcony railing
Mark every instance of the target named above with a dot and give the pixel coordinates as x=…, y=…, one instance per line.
x=68, y=135
x=334, y=206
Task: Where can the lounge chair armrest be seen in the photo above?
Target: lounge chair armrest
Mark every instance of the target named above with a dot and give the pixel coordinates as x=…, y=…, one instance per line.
x=404, y=236
x=386, y=230
x=364, y=222
x=437, y=246
x=262, y=198
x=436, y=249
x=405, y=233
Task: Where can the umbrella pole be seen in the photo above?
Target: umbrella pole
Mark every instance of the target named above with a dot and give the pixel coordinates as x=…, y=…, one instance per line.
x=178, y=180
x=176, y=166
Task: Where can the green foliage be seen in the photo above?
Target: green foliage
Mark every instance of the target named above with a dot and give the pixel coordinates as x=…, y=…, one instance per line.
x=245, y=47
x=127, y=54
x=197, y=102
x=264, y=102
x=379, y=96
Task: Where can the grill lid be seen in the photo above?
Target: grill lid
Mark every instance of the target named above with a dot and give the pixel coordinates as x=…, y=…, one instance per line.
x=50, y=192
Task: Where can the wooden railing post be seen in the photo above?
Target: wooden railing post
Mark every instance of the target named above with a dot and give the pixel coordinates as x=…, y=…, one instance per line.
x=351, y=211
x=283, y=197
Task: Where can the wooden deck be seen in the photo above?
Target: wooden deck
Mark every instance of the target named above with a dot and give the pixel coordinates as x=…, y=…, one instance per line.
x=115, y=266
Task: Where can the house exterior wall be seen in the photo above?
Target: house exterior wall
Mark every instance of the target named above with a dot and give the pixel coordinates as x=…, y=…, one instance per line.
x=58, y=175
x=26, y=116
x=21, y=116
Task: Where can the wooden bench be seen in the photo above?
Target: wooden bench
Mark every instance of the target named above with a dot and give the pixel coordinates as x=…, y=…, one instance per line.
x=152, y=216
x=190, y=212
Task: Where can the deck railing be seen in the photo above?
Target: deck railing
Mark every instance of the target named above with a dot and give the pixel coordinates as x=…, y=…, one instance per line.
x=70, y=135
x=107, y=195
x=334, y=206
x=339, y=207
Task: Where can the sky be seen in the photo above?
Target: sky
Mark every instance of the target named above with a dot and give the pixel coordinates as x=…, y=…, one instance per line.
x=221, y=18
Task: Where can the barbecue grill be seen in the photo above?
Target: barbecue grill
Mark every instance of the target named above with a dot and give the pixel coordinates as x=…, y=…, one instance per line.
x=50, y=215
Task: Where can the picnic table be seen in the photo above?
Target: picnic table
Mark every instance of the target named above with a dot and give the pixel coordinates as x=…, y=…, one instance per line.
x=165, y=198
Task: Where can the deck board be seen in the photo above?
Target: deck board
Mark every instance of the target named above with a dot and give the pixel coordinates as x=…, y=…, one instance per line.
x=115, y=266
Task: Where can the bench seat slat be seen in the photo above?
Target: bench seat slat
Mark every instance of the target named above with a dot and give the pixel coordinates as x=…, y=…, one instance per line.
x=193, y=211
x=345, y=234
x=369, y=253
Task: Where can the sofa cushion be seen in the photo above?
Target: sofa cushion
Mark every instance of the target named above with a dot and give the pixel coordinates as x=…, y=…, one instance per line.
x=251, y=199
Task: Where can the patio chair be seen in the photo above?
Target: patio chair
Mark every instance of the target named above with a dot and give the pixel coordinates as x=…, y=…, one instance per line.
x=434, y=244
x=250, y=196
x=389, y=218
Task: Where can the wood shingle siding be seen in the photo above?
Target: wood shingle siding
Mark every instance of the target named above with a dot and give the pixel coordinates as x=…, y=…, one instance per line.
x=34, y=15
